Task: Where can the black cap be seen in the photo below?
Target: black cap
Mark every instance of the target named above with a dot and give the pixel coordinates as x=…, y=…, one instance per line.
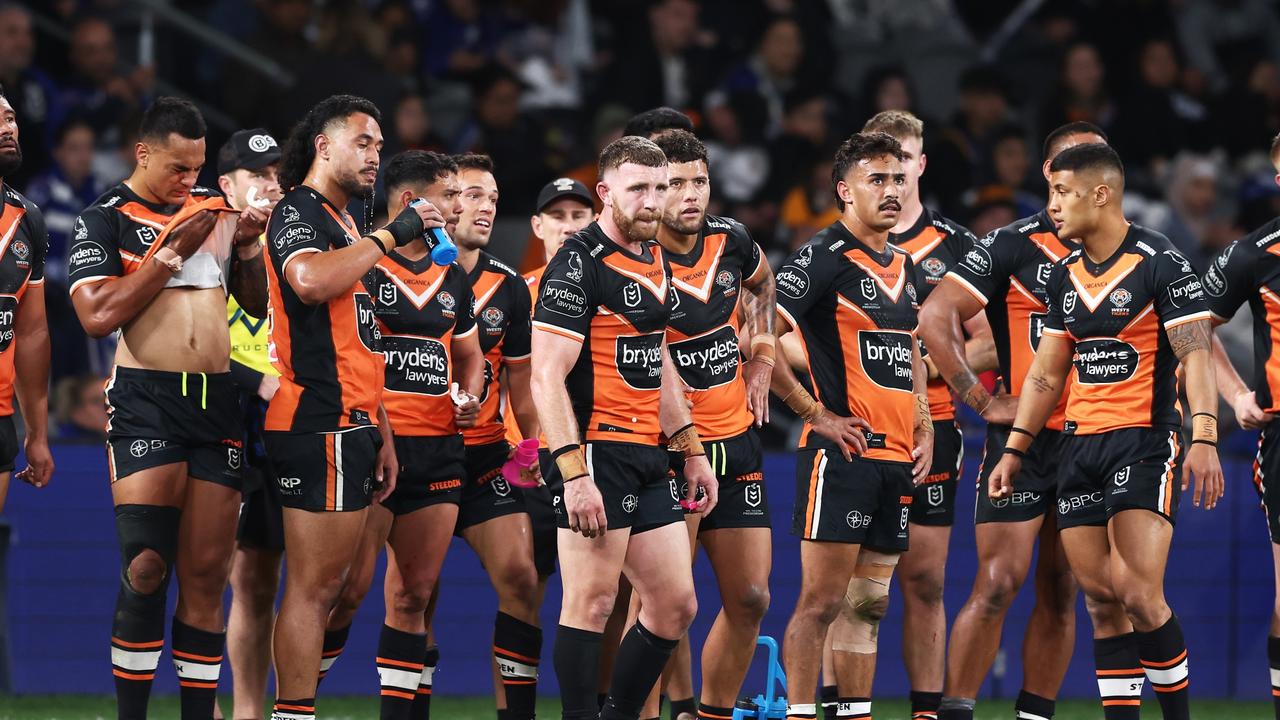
x=563, y=188
x=248, y=149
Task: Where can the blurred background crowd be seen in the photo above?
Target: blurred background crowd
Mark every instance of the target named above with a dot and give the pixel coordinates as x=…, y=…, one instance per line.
x=1188, y=90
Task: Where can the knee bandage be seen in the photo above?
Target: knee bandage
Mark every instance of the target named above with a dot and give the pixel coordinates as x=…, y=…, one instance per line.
x=865, y=602
x=141, y=528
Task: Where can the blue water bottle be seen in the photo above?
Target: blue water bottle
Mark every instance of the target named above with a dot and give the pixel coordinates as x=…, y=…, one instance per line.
x=443, y=251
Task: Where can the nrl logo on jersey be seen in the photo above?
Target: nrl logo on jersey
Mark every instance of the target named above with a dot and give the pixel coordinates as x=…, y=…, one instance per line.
x=631, y=294
x=805, y=256
x=1069, y=301
x=1042, y=273
x=869, y=288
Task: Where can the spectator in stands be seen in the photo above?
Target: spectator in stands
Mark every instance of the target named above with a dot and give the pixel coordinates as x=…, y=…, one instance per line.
x=461, y=38
x=1158, y=119
x=1208, y=28
x=80, y=409
x=773, y=69
x=670, y=66
x=1081, y=93
x=552, y=53
x=803, y=140
x=961, y=159
x=515, y=142
x=1190, y=219
x=808, y=208
x=411, y=128
x=887, y=87
x=97, y=90
x=739, y=160
x=281, y=36
x=1010, y=164
x=63, y=191
x=30, y=91
x=1246, y=117
x=993, y=210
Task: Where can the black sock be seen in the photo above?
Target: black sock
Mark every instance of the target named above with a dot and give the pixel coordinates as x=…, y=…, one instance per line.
x=830, y=698
x=334, y=642
x=422, y=699
x=304, y=709
x=137, y=637
x=711, y=712
x=854, y=708
x=517, y=648
x=1033, y=707
x=399, y=664
x=1273, y=659
x=683, y=706
x=956, y=708
x=600, y=699
x=641, y=658
x=197, y=659
x=924, y=705
x=576, y=658
x=1164, y=658
x=1120, y=676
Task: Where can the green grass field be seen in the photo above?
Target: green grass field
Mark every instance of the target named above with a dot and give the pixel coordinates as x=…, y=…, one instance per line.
x=91, y=707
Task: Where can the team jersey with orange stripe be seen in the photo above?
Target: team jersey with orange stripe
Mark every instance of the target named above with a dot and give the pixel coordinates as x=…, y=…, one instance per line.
x=114, y=235
x=1249, y=270
x=503, y=321
x=617, y=305
x=936, y=244
x=329, y=355
x=1006, y=271
x=24, y=243
x=1118, y=313
x=855, y=310
x=703, y=334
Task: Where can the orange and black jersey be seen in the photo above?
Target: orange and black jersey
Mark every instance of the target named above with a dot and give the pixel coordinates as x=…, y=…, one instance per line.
x=329, y=355
x=1118, y=313
x=703, y=333
x=24, y=243
x=115, y=233
x=936, y=244
x=1006, y=271
x=617, y=305
x=502, y=319
x=1249, y=270
x=855, y=310
x=421, y=308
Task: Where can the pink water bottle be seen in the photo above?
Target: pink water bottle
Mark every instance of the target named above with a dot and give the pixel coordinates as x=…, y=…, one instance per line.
x=525, y=457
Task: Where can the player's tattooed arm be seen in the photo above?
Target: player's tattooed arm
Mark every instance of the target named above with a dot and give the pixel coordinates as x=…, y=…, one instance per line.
x=1045, y=381
x=248, y=284
x=1191, y=342
x=759, y=305
x=942, y=319
x=1189, y=337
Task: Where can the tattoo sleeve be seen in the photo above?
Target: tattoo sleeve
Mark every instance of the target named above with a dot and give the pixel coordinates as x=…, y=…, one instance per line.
x=1189, y=337
x=759, y=307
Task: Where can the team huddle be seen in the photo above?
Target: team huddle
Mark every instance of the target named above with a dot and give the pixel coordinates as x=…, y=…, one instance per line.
x=372, y=388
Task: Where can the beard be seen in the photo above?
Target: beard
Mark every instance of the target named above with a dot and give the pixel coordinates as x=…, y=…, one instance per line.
x=679, y=224
x=10, y=161
x=630, y=228
x=353, y=184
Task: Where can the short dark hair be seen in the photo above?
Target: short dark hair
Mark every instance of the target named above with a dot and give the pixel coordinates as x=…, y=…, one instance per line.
x=416, y=167
x=1274, y=154
x=657, y=120
x=299, y=150
x=862, y=146
x=75, y=122
x=2, y=90
x=168, y=115
x=681, y=146
x=1054, y=140
x=1090, y=156
x=474, y=161
x=631, y=149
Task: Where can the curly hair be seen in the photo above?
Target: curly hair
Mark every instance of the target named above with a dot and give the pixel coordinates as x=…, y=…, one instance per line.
x=681, y=146
x=862, y=146
x=299, y=150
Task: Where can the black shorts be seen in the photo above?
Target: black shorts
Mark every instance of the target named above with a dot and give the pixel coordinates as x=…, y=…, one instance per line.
x=486, y=494
x=324, y=472
x=431, y=472
x=635, y=482
x=863, y=502
x=261, y=523
x=1266, y=476
x=1034, y=487
x=160, y=418
x=542, y=516
x=8, y=443
x=934, y=500
x=1132, y=468
x=738, y=464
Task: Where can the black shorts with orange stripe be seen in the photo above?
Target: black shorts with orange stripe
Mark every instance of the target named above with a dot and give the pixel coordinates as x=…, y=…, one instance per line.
x=1126, y=469
x=635, y=482
x=863, y=502
x=324, y=472
x=431, y=473
x=486, y=494
x=1266, y=476
x=157, y=418
x=934, y=500
x=1034, y=487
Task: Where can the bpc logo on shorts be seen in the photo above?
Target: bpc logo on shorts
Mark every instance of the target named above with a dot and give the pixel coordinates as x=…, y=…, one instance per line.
x=629, y=504
x=138, y=448
x=855, y=519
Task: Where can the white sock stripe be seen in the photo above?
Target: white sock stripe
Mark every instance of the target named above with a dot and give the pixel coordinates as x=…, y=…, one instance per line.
x=281, y=715
x=1024, y=715
x=187, y=670
x=425, y=678
x=853, y=709
x=1120, y=687
x=802, y=709
x=1275, y=677
x=135, y=660
x=513, y=668
x=397, y=678
x=326, y=663
x=1170, y=676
